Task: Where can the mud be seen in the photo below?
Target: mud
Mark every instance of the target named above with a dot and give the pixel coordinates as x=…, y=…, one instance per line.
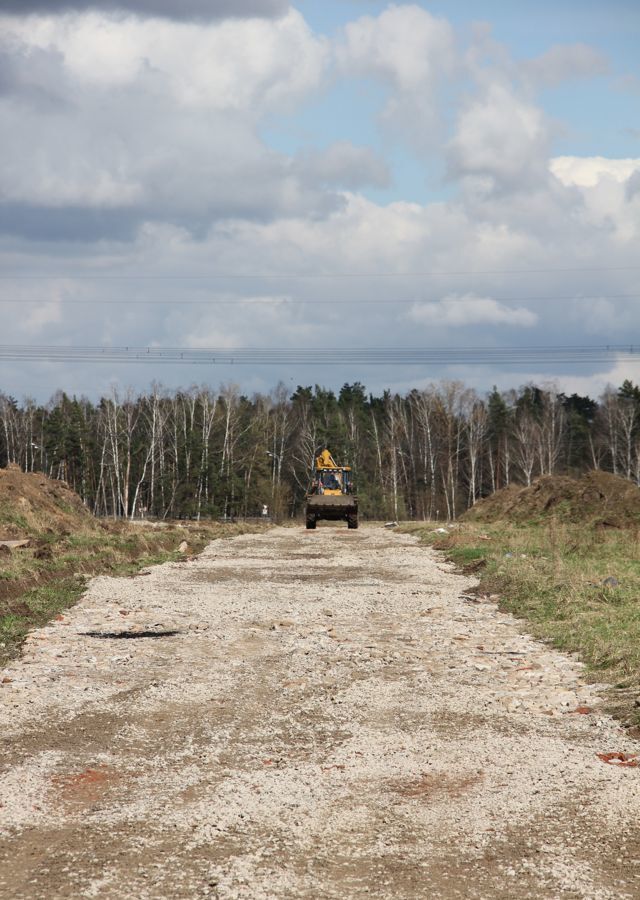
x=331, y=720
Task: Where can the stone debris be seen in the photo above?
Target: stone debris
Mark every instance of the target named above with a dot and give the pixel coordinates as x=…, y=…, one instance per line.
x=627, y=760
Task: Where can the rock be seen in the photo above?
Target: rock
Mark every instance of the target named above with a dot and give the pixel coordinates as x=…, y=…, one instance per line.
x=511, y=704
x=183, y=547
x=15, y=545
x=565, y=698
x=390, y=524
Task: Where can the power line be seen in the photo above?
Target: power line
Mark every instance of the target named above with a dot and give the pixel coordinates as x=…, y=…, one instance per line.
x=289, y=301
x=372, y=356
x=147, y=276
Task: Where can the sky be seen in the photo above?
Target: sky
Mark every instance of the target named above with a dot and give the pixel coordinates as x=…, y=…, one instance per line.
x=322, y=175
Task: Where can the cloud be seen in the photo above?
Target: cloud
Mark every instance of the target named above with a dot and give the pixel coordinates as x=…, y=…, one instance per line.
x=110, y=122
x=609, y=192
x=565, y=61
x=171, y=9
x=300, y=306
x=628, y=83
x=633, y=184
x=411, y=51
x=404, y=44
x=135, y=172
x=470, y=309
x=251, y=64
x=587, y=171
x=500, y=137
x=344, y=165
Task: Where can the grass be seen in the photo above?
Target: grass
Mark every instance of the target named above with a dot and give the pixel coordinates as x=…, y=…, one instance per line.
x=553, y=574
x=39, y=583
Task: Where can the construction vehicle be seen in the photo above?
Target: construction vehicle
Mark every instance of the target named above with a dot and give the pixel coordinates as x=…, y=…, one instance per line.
x=331, y=493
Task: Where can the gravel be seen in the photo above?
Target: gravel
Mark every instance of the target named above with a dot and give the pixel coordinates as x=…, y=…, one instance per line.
x=307, y=714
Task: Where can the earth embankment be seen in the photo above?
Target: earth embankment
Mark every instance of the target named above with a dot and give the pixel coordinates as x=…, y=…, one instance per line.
x=596, y=497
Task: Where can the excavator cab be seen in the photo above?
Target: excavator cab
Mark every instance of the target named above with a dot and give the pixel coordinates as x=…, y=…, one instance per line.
x=331, y=478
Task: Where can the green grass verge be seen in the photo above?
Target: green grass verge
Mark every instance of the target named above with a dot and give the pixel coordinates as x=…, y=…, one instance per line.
x=576, y=586
x=33, y=589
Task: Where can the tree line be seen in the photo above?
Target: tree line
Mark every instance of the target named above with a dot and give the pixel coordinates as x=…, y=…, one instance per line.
x=429, y=453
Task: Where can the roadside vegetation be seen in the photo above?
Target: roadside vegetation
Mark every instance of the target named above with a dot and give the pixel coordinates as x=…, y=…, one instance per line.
x=576, y=584
x=40, y=581
x=50, y=544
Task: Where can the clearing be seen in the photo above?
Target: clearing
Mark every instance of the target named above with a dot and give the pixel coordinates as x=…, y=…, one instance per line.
x=308, y=714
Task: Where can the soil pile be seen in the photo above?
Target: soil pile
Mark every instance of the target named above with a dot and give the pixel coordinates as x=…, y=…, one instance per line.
x=31, y=503
x=597, y=498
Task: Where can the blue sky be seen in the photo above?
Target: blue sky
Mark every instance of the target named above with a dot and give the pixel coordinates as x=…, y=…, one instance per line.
x=497, y=141
x=347, y=109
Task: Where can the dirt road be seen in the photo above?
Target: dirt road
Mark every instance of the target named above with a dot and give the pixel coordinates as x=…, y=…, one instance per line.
x=306, y=714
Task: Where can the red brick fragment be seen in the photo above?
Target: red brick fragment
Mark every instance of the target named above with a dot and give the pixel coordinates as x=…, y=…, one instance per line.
x=627, y=760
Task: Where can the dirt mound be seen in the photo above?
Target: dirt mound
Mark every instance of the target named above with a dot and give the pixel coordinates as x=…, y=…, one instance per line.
x=597, y=497
x=31, y=503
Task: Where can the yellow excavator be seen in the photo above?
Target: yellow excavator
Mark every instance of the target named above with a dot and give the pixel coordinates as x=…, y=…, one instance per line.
x=331, y=495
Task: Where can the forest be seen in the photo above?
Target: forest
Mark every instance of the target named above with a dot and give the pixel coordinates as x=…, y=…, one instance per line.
x=204, y=453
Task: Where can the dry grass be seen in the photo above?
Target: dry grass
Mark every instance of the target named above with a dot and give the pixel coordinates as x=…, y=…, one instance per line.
x=554, y=574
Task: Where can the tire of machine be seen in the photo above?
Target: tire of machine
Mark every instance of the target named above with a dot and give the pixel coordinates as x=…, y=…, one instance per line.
x=311, y=521
x=352, y=521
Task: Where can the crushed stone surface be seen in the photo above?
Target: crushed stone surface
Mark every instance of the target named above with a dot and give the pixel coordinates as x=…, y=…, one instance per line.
x=322, y=714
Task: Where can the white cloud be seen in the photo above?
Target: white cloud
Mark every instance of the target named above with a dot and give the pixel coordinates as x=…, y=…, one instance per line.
x=404, y=44
x=157, y=119
x=500, y=137
x=470, y=309
x=136, y=147
x=228, y=65
x=587, y=171
x=414, y=53
x=607, y=187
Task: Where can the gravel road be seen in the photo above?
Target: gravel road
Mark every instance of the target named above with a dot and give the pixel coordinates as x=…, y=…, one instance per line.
x=323, y=714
